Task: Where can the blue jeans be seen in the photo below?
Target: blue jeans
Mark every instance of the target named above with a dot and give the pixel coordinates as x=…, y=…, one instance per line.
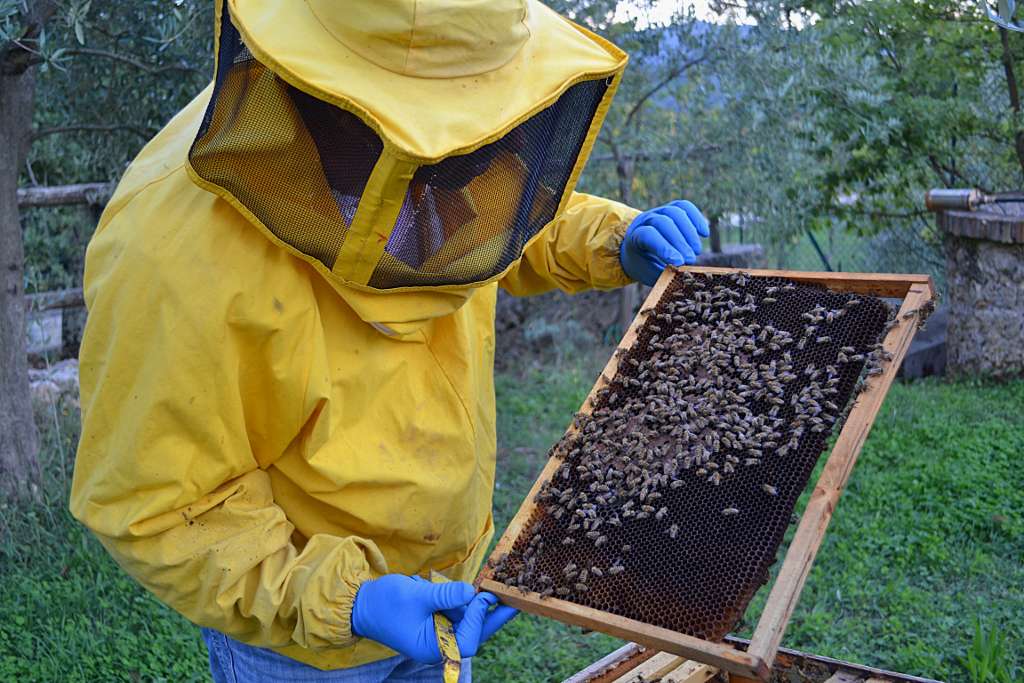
x=235, y=662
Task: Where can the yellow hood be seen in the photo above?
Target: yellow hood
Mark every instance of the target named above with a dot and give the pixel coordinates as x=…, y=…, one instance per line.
x=412, y=148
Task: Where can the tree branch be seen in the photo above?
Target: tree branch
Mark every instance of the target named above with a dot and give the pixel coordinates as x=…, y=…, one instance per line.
x=15, y=56
x=127, y=59
x=954, y=174
x=873, y=213
x=655, y=156
x=672, y=75
x=143, y=133
x=639, y=156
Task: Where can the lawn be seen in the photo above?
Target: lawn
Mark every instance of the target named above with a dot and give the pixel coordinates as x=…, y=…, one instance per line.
x=927, y=543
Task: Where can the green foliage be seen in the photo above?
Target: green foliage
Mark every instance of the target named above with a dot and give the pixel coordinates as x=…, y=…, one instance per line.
x=115, y=73
x=898, y=97
x=986, y=659
x=55, y=238
x=111, y=74
x=69, y=613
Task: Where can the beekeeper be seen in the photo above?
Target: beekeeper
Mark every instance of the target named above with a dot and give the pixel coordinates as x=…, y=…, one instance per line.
x=287, y=393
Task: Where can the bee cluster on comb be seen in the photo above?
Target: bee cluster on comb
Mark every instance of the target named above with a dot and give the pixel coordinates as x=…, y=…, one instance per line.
x=674, y=492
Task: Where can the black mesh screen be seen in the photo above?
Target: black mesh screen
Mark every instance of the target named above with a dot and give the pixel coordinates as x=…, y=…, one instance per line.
x=468, y=217
x=298, y=164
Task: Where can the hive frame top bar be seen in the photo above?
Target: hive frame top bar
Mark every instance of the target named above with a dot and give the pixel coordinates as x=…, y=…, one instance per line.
x=915, y=290
x=894, y=285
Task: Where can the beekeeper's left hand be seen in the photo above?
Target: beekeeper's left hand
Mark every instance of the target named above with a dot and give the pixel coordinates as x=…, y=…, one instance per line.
x=398, y=611
x=667, y=235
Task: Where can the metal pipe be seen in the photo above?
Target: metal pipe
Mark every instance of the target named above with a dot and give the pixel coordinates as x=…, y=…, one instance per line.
x=953, y=199
x=966, y=199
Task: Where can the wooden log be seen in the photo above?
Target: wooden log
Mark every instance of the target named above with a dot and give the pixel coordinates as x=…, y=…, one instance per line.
x=60, y=298
x=61, y=195
x=802, y=550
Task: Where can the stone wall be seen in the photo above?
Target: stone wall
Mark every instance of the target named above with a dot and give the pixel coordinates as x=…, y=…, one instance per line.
x=985, y=283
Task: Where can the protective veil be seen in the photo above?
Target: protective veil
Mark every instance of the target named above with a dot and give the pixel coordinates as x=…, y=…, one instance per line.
x=287, y=368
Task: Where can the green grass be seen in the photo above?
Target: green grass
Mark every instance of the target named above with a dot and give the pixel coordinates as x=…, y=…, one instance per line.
x=928, y=539
x=922, y=570
x=68, y=613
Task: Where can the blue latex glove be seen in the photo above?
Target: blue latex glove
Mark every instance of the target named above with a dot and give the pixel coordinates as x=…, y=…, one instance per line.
x=398, y=611
x=667, y=235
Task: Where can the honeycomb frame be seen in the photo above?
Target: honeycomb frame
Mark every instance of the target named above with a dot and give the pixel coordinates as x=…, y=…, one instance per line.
x=917, y=294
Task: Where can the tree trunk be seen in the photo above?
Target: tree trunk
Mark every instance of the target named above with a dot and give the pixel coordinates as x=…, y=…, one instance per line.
x=19, y=441
x=1014, y=93
x=716, y=236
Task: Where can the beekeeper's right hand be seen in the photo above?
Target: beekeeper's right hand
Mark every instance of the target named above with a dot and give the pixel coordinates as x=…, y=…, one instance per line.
x=667, y=235
x=398, y=611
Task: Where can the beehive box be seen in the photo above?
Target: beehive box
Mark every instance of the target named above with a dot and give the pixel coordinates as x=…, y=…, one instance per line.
x=661, y=510
x=632, y=663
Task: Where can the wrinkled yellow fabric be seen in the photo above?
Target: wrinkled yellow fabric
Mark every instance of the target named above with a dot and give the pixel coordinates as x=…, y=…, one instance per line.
x=252, y=448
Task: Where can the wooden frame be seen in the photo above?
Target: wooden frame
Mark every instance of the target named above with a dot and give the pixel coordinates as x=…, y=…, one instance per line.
x=915, y=290
x=633, y=664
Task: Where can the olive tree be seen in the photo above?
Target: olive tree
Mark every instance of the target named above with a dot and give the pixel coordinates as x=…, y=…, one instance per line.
x=83, y=84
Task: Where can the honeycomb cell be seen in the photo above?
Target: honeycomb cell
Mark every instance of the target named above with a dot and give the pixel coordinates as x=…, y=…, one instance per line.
x=675, y=491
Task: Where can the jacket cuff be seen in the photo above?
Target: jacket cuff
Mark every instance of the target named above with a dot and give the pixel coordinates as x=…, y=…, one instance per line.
x=326, y=617
x=338, y=621
x=606, y=257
